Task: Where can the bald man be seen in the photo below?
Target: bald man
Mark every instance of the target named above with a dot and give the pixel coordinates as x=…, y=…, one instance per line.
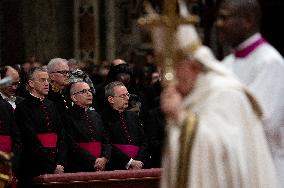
x=117, y=62
x=9, y=92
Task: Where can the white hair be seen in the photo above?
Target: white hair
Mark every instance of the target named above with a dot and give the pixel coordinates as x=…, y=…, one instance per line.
x=54, y=62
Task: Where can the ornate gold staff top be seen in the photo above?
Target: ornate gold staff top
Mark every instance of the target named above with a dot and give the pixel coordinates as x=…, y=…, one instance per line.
x=169, y=22
x=168, y=48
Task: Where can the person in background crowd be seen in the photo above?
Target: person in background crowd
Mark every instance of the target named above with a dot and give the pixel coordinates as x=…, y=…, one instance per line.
x=100, y=72
x=73, y=64
x=118, y=62
x=129, y=144
x=258, y=65
x=119, y=71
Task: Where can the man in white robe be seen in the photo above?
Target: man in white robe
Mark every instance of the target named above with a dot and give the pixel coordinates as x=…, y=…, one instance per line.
x=228, y=147
x=258, y=65
x=215, y=135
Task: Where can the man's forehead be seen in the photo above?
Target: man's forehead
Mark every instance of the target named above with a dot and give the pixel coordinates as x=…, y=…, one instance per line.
x=61, y=65
x=81, y=85
x=228, y=7
x=14, y=72
x=41, y=74
x=119, y=88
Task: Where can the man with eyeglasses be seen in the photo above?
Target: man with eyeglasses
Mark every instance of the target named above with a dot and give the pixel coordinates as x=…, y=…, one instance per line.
x=129, y=144
x=58, y=71
x=90, y=146
x=41, y=129
x=8, y=93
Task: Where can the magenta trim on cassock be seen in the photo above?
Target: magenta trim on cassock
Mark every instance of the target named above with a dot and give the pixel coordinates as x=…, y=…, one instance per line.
x=247, y=50
x=5, y=143
x=93, y=148
x=48, y=140
x=130, y=150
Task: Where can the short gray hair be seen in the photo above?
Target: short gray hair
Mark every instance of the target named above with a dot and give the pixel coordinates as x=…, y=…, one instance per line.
x=73, y=85
x=109, y=91
x=54, y=62
x=34, y=70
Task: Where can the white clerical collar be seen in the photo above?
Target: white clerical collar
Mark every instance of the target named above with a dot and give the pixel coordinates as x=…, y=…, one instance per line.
x=40, y=98
x=10, y=100
x=3, y=95
x=248, y=41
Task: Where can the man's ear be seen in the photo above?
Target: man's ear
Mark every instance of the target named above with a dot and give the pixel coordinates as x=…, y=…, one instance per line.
x=31, y=84
x=110, y=99
x=73, y=98
x=51, y=76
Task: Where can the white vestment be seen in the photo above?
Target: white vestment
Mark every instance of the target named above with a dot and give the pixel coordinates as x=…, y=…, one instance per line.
x=262, y=71
x=229, y=149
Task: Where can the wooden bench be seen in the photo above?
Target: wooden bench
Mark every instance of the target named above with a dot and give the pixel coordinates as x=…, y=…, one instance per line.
x=145, y=178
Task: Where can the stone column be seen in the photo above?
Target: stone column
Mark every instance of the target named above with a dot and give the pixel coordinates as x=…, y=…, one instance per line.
x=1, y=28
x=86, y=30
x=110, y=11
x=48, y=30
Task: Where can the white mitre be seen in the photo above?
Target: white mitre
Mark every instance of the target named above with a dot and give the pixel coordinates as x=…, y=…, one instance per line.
x=187, y=43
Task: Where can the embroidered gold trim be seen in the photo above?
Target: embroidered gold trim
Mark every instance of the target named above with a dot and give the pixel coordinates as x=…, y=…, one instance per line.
x=55, y=89
x=254, y=104
x=187, y=136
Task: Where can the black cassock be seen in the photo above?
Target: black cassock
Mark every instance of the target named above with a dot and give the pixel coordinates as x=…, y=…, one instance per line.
x=42, y=137
x=60, y=97
x=125, y=129
x=87, y=139
x=10, y=138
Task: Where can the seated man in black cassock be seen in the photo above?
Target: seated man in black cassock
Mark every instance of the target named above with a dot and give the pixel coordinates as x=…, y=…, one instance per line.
x=129, y=144
x=90, y=148
x=42, y=131
x=10, y=138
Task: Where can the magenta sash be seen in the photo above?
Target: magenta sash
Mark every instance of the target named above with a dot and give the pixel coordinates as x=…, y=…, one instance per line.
x=5, y=143
x=93, y=148
x=130, y=150
x=247, y=50
x=48, y=140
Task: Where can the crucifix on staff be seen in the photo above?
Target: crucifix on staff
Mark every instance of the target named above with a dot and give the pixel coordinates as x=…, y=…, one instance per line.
x=164, y=30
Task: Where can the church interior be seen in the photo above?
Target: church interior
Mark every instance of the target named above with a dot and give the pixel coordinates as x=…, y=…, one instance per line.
x=97, y=30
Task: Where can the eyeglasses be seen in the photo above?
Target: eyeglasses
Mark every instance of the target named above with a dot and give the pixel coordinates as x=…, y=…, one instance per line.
x=15, y=83
x=83, y=91
x=63, y=72
x=124, y=95
x=41, y=80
